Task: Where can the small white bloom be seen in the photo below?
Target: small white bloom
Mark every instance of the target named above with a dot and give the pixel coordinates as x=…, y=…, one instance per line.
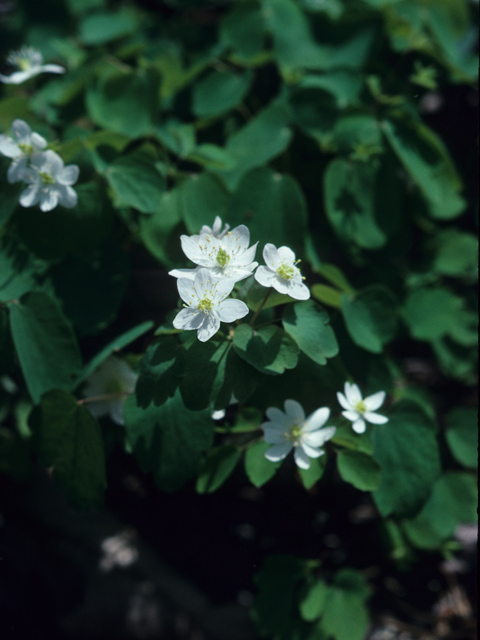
x=282, y=272
x=290, y=430
x=358, y=409
x=20, y=149
x=29, y=62
x=226, y=256
x=216, y=230
x=49, y=182
x=113, y=377
x=206, y=305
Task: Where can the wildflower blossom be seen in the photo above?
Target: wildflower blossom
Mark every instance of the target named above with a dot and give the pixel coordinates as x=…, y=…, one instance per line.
x=358, y=409
x=206, y=305
x=112, y=378
x=281, y=272
x=290, y=430
x=29, y=62
x=216, y=230
x=226, y=256
x=50, y=182
x=20, y=148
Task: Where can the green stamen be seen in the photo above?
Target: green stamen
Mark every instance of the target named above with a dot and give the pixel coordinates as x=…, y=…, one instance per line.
x=361, y=407
x=223, y=258
x=286, y=271
x=26, y=148
x=24, y=64
x=295, y=433
x=46, y=178
x=205, y=305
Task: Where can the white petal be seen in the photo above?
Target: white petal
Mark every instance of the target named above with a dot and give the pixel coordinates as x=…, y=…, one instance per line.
x=265, y=277
x=316, y=420
x=189, y=319
x=52, y=68
x=16, y=170
x=375, y=418
x=238, y=273
x=67, y=196
x=30, y=196
x=375, y=401
x=116, y=410
x=9, y=147
x=237, y=240
x=278, y=452
x=21, y=130
x=270, y=255
x=186, y=291
x=231, y=310
x=301, y=458
x=343, y=401
x=353, y=393
x=19, y=76
x=191, y=248
x=273, y=434
x=318, y=438
x=294, y=411
x=351, y=415
x=54, y=162
x=295, y=289
x=209, y=328
x=276, y=416
x=285, y=254
x=184, y=273
x=37, y=141
x=246, y=257
x=68, y=175
x=48, y=199
x=312, y=452
x=359, y=425
x=223, y=288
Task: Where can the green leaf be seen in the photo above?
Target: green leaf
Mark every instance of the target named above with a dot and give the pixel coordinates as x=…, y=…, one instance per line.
x=159, y=231
x=430, y=312
x=273, y=208
x=219, y=91
x=314, y=472
x=462, y=435
x=8, y=201
x=258, y=469
x=6, y=344
x=334, y=275
x=359, y=469
x=68, y=438
x=216, y=467
x=270, y=349
x=345, y=616
x=116, y=345
x=429, y=165
x=159, y=371
x=350, y=192
x=346, y=437
x=15, y=457
x=136, y=182
x=353, y=581
x=177, y=136
x=264, y=137
x=168, y=440
x=308, y=324
x=370, y=317
x=327, y=295
x=125, y=102
x=256, y=295
x=212, y=157
x=313, y=601
x=358, y=133
x=101, y=27
x=203, y=197
x=242, y=29
x=45, y=343
x=456, y=253
x=407, y=450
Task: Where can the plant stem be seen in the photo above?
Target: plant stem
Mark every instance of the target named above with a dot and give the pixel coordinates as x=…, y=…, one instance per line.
x=106, y=396
x=260, y=307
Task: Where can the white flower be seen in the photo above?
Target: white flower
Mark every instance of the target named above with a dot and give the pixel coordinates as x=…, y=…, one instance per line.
x=358, y=409
x=290, y=430
x=207, y=307
x=216, y=230
x=225, y=256
x=28, y=61
x=25, y=144
x=113, y=377
x=49, y=182
x=281, y=272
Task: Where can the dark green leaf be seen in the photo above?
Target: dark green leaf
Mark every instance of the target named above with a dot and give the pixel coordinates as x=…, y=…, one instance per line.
x=219, y=92
x=270, y=350
x=216, y=467
x=15, y=457
x=256, y=294
x=314, y=472
x=136, y=183
x=359, y=469
x=462, y=435
x=202, y=198
x=258, y=469
x=99, y=28
x=159, y=372
x=327, y=295
x=308, y=324
x=456, y=253
x=345, y=616
x=242, y=29
x=430, y=312
x=45, y=343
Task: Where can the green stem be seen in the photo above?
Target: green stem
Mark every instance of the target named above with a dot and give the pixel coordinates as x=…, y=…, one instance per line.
x=260, y=307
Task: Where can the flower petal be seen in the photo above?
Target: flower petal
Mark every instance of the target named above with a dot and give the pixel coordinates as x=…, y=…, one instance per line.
x=187, y=292
x=67, y=196
x=375, y=401
x=9, y=147
x=209, y=328
x=375, y=418
x=343, y=401
x=278, y=452
x=184, y=273
x=37, y=141
x=294, y=411
x=68, y=175
x=189, y=319
x=301, y=458
x=270, y=255
x=316, y=420
x=351, y=415
x=359, y=426
x=30, y=196
x=265, y=277
x=51, y=68
x=16, y=170
x=48, y=199
x=318, y=438
x=273, y=434
x=312, y=452
x=353, y=393
x=21, y=130
x=276, y=416
x=231, y=310
x=285, y=254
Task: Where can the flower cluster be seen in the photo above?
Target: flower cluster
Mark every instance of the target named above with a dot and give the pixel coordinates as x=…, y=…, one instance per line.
x=28, y=63
x=222, y=258
x=49, y=181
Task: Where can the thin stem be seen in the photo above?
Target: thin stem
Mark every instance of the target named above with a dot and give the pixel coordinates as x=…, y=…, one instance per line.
x=105, y=396
x=260, y=307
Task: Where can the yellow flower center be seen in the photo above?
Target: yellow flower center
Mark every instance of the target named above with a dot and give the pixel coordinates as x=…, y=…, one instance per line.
x=46, y=178
x=286, y=271
x=361, y=407
x=24, y=64
x=295, y=434
x=205, y=305
x=223, y=258
x=26, y=148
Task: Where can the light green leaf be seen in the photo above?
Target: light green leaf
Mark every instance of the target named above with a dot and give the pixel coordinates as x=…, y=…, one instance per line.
x=370, y=317
x=219, y=91
x=46, y=345
x=334, y=275
x=313, y=601
x=308, y=324
x=217, y=465
x=359, y=469
x=258, y=469
x=212, y=157
x=327, y=295
x=203, y=197
x=407, y=450
x=67, y=437
x=456, y=253
x=314, y=472
x=270, y=349
x=430, y=312
x=345, y=616
x=462, y=435
x=101, y=27
x=168, y=440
